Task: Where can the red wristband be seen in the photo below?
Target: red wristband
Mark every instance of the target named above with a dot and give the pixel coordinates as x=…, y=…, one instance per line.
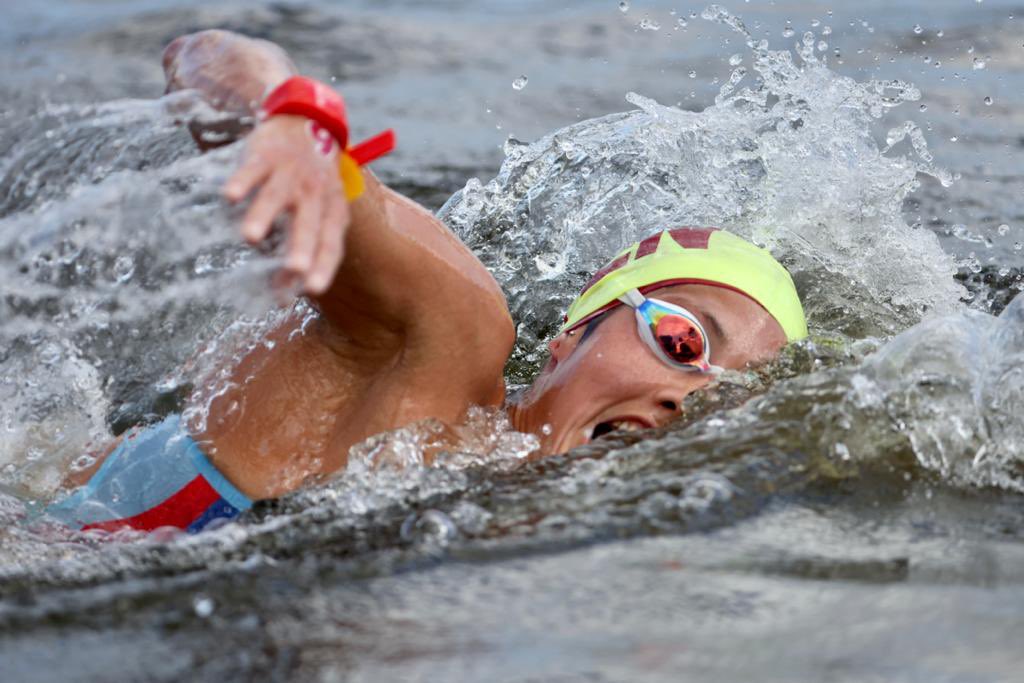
x=313, y=100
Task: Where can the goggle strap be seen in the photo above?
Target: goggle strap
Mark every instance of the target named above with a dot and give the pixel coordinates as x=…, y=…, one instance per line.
x=633, y=298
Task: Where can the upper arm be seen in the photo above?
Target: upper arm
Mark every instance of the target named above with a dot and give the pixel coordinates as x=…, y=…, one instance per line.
x=407, y=280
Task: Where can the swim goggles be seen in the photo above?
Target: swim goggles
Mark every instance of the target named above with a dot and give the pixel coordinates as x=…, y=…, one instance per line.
x=672, y=332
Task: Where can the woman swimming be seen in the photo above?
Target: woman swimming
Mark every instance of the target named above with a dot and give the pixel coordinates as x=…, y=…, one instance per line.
x=410, y=324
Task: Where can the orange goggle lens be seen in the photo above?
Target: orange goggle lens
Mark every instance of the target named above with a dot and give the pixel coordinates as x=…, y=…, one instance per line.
x=679, y=339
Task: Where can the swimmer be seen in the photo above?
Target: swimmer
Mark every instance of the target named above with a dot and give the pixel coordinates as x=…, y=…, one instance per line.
x=410, y=325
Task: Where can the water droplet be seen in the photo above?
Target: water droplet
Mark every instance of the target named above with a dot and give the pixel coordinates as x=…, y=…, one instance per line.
x=988, y=101
x=683, y=23
x=431, y=528
x=788, y=32
x=124, y=268
x=546, y=429
x=736, y=59
x=918, y=29
x=1003, y=229
x=623, y=6
x=923, y=107
x=203, y=264
x=649, y=25
x=82, y=462
x=692, y=74
x=49, y=354
x=979, y=63
x=520, y=83
x=203, y=605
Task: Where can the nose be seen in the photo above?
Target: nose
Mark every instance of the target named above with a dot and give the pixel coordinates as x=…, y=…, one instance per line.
x=668, y=397
x=668, y=403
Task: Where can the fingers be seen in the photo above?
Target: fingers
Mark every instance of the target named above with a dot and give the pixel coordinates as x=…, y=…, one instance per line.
x=304, y=234
x=331, y=247
x=253, y=172
x=272, y=199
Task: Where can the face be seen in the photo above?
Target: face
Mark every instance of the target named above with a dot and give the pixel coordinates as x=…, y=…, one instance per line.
x=612, y=380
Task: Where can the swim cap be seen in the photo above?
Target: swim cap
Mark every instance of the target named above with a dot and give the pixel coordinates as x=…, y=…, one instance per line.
x=705, y=256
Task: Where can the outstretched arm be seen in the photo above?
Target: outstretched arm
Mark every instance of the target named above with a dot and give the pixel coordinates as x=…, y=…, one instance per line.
x=415, y=325
x=399, y=265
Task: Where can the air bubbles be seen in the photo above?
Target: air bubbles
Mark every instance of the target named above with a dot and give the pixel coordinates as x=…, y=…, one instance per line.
x=124, y=268
x=82, y=462
x=827, y=31
x=1003, y=229
x=1018, y=246
x=988, y=101
x=979, y=64
x=736, y=59
x=649, y=25
x=692, y=74
x=822, y=46
x=624, y=6
x=923, y=107
x=520, y=83
x=917, y=29
x=788, y=32
x=432, y=528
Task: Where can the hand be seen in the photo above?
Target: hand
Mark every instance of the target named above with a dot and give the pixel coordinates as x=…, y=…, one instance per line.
x=231, y=71
x=290, y=171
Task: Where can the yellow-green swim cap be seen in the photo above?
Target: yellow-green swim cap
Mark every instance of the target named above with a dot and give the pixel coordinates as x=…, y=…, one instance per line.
x=694, y=256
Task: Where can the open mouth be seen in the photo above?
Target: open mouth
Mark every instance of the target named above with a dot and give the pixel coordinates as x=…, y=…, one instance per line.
x=625, y=424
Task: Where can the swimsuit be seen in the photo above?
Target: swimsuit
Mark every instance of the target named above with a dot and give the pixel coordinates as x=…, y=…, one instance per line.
x=156, y=477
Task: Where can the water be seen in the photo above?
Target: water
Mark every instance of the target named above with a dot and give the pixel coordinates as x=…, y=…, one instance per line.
x=850, y=512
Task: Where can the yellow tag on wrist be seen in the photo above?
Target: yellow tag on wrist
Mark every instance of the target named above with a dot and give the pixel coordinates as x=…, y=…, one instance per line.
x=351, y=177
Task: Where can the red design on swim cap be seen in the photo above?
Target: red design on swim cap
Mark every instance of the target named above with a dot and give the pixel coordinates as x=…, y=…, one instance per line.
x=648, y=246
x=692, y=238
x=613, y=266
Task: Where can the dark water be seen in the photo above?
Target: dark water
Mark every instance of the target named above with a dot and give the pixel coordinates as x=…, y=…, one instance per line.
x=852, y=513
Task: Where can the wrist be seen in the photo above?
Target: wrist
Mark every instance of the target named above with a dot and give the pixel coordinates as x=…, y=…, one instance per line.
x=300, y=96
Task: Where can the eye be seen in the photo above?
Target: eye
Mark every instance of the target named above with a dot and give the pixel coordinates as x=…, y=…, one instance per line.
x=680, y=338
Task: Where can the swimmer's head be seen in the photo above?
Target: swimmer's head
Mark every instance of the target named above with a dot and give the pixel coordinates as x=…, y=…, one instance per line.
x=603, y=376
